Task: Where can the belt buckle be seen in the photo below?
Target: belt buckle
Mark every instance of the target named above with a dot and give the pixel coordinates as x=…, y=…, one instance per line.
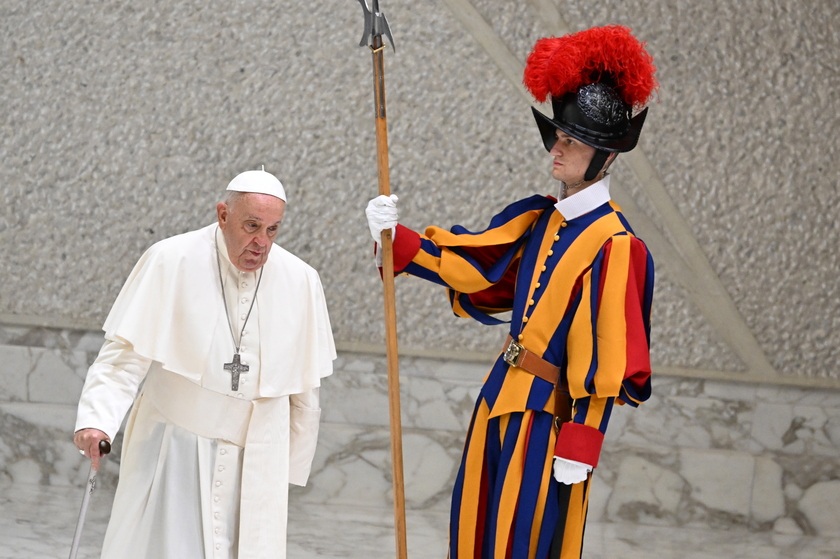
x=513, y=353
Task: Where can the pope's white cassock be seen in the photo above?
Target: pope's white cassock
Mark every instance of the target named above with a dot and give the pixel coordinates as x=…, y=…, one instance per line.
x=205, y=469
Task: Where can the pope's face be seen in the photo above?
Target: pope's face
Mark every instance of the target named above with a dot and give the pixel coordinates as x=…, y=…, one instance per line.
x=571, y=158
x=250, y=225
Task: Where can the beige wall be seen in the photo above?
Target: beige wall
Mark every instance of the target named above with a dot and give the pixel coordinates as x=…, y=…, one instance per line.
x=122, y=123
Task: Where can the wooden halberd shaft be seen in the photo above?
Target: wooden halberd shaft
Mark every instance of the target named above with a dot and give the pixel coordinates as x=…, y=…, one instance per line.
x=389, y=293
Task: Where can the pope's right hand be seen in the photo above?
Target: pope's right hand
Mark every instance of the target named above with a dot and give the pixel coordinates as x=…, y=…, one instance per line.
x=382, y=214
x=87, y=440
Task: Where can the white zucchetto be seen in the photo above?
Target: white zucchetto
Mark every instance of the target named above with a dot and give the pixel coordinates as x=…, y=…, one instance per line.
x=259, y=182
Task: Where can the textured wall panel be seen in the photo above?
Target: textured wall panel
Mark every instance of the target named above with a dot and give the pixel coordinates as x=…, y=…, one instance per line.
x=120, y=124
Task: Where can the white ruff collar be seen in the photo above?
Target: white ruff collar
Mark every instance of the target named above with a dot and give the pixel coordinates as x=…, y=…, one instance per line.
x=586, y=200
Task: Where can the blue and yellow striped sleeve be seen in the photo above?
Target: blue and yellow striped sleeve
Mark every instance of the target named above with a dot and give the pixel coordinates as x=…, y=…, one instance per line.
x=477, y=268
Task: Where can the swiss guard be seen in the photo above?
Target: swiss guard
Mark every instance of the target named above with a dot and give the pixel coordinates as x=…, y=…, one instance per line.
x=578, y=284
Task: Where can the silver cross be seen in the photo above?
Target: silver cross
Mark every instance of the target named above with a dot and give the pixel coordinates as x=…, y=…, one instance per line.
x=235, y=368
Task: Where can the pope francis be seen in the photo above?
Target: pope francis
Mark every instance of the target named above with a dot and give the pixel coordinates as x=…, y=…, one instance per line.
x=231, y=336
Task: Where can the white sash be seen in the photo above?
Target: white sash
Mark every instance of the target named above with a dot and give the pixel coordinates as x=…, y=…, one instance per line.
x=261, y=428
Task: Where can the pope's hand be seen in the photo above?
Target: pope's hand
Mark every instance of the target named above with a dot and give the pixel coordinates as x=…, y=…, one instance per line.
x=569, y=471
x=382, y=214
x=87, y=441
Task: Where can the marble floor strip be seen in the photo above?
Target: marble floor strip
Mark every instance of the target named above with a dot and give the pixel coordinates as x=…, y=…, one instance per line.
x=38, y=521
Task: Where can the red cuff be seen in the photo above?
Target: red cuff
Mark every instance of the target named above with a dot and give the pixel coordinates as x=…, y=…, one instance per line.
x=580, y=443
x=406, y=247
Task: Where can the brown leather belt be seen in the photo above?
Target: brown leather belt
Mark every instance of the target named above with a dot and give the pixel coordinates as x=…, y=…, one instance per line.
x=517, y=356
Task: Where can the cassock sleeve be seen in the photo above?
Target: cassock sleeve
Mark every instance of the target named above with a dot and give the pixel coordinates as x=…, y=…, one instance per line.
x=110, y=387
x=608, y=345
x=305, y=415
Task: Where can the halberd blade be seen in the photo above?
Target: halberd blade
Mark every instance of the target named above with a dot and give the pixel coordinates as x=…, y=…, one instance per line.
x=376, y=25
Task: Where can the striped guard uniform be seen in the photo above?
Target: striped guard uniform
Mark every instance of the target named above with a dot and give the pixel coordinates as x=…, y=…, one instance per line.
x=578, y=284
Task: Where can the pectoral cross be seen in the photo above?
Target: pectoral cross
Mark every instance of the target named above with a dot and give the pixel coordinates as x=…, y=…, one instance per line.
x=235, y=368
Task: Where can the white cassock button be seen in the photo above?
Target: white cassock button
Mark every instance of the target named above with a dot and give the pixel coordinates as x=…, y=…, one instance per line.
x=218, y=546
x=218, y=483
x=239, y=395
x=223, y=451
x=244, y=332
x=244, y=316
x=216, y=499
x=244, y=284
x=221, y=468
x=218, y=530
x=217, y=516
x=244, y=300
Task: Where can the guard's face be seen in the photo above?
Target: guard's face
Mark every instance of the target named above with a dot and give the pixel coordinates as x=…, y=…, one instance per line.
x=250, y=226
x=571, y=158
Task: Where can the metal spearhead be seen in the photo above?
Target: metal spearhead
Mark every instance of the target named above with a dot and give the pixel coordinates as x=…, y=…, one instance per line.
x=376, y=25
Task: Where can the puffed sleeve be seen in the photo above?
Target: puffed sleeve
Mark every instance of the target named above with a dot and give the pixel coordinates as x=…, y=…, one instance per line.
x=477, y=268
x=608, y=344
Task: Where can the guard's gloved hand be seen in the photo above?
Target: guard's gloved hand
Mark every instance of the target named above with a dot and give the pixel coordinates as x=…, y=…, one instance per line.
x=382, y=214
x=569, y=471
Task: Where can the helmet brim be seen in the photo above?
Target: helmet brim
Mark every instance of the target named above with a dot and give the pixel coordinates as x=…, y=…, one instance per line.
x=548, y=130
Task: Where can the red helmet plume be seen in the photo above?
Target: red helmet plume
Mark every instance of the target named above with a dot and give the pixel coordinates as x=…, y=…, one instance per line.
x=559, y=65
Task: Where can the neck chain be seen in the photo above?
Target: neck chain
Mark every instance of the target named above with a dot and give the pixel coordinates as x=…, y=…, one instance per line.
x=567, y=187
x=236, y=366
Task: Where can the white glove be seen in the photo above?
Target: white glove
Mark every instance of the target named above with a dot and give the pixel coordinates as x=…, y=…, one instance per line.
x=382, y=214
x=569, y=471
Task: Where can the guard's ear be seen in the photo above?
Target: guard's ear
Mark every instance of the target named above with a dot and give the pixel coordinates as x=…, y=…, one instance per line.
x=610, y=160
